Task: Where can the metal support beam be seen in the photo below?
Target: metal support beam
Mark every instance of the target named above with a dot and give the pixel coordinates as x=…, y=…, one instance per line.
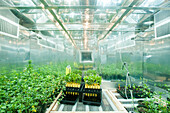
x=119, y=20
x=86, y=30
x=84, y=7
x=59, y=22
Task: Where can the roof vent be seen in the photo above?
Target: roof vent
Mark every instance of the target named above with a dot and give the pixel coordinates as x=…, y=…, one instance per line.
x=162, y=23
x=9, y=24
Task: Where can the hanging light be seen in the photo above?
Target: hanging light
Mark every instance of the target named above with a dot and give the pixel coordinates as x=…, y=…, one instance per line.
x=43, y=7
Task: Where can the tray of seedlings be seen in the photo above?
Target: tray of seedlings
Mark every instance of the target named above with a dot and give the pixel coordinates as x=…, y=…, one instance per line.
x=92, y=92
x=138, y=91
x=73, y=86
x=153, y=105
x=163, y=86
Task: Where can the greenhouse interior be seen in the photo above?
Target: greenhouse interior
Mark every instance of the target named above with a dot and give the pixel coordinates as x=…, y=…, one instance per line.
x=77, y=56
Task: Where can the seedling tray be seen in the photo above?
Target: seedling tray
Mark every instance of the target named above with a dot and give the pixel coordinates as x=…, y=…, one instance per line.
x=70, y=99
x=75, y=89
x=72, y=89
x=135, y=94
x=90, y=90
x=90, y=100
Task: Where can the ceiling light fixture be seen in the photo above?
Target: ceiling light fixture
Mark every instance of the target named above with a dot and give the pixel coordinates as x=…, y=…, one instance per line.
x=85, y=39
x=123, y=10
x=72, y=15
x=87, y=17
x=116, y=18
x=86, y=23
x=42, y=5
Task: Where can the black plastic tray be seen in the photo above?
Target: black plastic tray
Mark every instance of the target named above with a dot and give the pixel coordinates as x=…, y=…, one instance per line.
x=72, y=89
x=70, y=99
x=92, y=100
x=75, y=89
x=136, y=95
x=89, y=90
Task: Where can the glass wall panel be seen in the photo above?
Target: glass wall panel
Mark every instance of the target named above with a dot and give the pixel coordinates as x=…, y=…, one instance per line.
x=157, y=64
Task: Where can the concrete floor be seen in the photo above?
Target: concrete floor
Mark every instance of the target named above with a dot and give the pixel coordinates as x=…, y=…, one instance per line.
x=108, y=84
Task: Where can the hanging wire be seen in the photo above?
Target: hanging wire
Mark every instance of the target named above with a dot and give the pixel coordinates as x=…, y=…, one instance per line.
x=128, y=80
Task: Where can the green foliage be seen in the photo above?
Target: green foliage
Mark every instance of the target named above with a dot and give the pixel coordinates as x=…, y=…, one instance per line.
x=73, y=77
x=152, y=68
x=112, y=71
x=156, y=105
x=91, y=79
x=77, y=72
x=98, y=80
x=28, y=90
x=91, y=72
x=163, y=86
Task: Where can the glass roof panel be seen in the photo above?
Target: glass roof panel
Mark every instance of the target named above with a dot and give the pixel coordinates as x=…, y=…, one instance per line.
x=139, y=12
x=123, y=28
x=109, y=2
x=63, y=2
x=37, y=16
x=22, y=2
x=70, y=15
x=82, y=2
x=134, y=18
x=103, y=15
x=151, y=3
x=87, y=20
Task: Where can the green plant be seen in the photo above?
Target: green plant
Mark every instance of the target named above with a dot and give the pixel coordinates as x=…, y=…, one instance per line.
x=92, y=79
x=77, y=72
x=147, y=91
x=78, y=78
x=156, y=105
x=91, y=72
x=73, y=77
x=98, y=80
x=86, y=79
x=29, y=90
